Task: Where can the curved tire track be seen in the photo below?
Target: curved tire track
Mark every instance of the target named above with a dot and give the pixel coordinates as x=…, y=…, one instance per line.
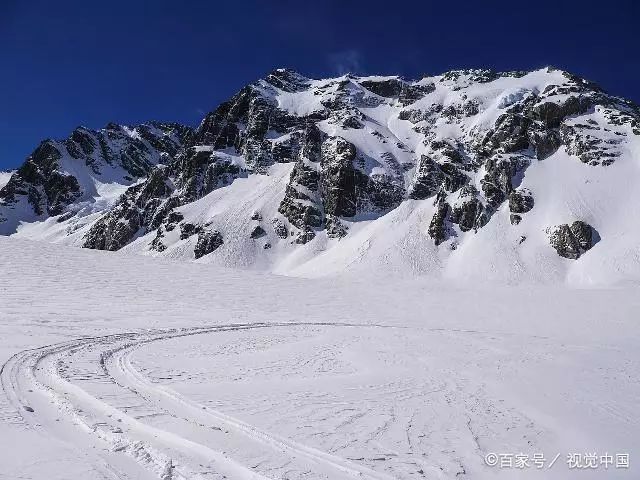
x=38, y=372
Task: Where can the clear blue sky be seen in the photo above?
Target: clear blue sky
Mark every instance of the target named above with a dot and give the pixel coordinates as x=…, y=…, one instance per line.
x=67, y=63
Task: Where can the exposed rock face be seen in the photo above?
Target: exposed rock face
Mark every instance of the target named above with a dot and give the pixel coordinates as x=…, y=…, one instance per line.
x=405, y=92
x=199, y=172
x=302, y=204
x=468, y=211
x=544, y=142
x=339, y=178
x=208, y=241
x=189, y=229
x=327, y=182
x=439, y=226
x=427, y=181
x=258, y=232
x=583, y=141
x=287, y=80
x=335, y=228
x=47, y=189
x=571, y=241
x=584, y=234
x=280, y=229
x=509, y=134
x=498, y=182
x=552, y=114
x=142, y=206
x=520, y=201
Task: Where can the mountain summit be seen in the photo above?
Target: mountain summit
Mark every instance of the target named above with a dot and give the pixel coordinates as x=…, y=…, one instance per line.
x=472, y=174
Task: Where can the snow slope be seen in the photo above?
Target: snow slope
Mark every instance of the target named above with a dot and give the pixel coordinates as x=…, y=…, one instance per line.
x=123, y=366
x=396, y=244
x=4, y=178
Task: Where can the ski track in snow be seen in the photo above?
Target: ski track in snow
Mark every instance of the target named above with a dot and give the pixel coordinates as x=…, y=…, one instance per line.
x=49, y=372
x=368, y=403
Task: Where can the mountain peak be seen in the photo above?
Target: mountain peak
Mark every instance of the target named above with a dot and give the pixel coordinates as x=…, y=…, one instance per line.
x=287, y=80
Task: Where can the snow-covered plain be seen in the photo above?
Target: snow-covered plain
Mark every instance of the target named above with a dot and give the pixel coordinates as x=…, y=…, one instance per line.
x=130, y=367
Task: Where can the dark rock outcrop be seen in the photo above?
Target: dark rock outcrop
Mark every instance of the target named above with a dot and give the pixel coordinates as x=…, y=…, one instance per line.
x=189, y=229
x=280, y=229
x=339, y=178
x=394, y=87
x=142, y=207
x=258, y=232
x=509, y=135
x=208, y=241
x=301, y=204
x=287, y=80
x=501, y=173
x=572, y=241
x=199, y=172
x=439, y=229
x=427, y=180
x=581, y=142
x=335, y=228
x=552, y=114
x=469, y=212
x=47, y=188
x=545, y=142
x=520, y=201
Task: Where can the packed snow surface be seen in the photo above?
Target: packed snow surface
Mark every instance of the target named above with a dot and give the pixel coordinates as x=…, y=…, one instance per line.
x=120, y=366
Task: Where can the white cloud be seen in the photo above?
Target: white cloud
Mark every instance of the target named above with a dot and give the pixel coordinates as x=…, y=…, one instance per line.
x=346, y=61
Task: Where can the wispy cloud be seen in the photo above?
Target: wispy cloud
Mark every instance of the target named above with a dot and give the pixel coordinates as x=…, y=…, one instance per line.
x=346, y=61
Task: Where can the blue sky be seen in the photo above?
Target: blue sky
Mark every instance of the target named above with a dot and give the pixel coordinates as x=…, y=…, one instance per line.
x=70, y=63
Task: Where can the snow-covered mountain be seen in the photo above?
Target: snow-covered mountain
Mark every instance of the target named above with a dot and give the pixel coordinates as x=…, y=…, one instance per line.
x=477, y=175
x=80, y=177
